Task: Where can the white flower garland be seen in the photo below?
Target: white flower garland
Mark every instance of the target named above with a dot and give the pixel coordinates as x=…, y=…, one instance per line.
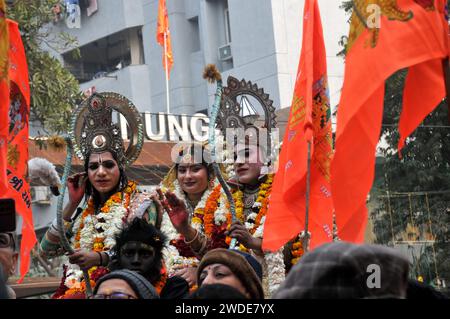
x=275, y=270
x=112, y=223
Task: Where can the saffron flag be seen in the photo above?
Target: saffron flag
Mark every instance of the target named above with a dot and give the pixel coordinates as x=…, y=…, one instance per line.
x=309, y=120
x=4, y=96
x=163, y=33
x=385, y=36
x=17, y=167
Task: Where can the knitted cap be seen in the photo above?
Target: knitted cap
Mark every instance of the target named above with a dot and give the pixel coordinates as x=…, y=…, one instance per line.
x=246, y=268
x=346, y=271
x=141, y=286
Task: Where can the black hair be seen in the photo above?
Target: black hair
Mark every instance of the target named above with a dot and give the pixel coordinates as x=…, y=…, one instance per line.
x=141, y=231
x=217, y=291
x=91, y=191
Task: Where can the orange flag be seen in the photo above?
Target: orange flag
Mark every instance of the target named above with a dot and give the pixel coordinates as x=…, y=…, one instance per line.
x=18, y=144
x=309, y=120
x=162, y=32
x=385, y=36
x=4, y=96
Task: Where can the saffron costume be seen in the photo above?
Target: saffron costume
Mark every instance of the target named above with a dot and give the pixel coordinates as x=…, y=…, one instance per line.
x=95, y=229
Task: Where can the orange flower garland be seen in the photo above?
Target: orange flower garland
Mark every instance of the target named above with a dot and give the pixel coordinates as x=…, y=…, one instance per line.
x=98, y=245
x=162, y=282
x=262, y=201
x=209, y=210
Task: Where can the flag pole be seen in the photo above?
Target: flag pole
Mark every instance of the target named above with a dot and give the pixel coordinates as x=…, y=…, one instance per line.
x=445, y=65
x=305, y=243
x=167, y=73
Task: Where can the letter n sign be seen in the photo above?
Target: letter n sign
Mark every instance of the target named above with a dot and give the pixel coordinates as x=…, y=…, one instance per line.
x=374, y=279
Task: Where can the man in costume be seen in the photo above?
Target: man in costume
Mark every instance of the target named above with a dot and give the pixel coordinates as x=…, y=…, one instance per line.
x=139, y=248
x=110, y=198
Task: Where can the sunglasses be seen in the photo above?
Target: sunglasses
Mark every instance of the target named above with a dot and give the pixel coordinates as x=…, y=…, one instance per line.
x=7, y=240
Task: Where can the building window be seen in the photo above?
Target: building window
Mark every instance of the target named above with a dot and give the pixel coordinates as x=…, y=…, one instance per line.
x=106, y=55
x=227, y=24
x=195, y=34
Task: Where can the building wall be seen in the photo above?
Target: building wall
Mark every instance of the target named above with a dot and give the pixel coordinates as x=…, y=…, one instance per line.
x=265, y=42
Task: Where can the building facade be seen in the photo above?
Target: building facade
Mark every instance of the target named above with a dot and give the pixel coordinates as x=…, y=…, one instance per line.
x=259, y=40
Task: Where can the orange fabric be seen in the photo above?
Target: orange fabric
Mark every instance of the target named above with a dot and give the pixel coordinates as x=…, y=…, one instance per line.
x=4, y=96
x=162, y=32
x=309, y=119
x=412, y=34
x=18, y=144
x=4, y=110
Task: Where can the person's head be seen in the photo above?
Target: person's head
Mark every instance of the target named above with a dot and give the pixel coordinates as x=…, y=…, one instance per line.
x=217, y=291
x=3, y=287
x=124, y=284
x=346, y=271
x=418, y=290
x=105, y=175
x=248, y=164
x=192, y=170
x=139, y=248
x=233, y=268
x=8, y=254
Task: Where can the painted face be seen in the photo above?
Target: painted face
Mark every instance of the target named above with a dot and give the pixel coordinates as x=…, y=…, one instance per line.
x=193, y=178
x=8, y=257
x=137, y=256
x=115, y=289
x=103, y=172
x=221, y=274
x=248, y=164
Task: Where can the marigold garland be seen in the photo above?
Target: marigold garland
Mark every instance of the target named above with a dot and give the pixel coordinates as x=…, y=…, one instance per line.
x=94, y=237
x=159, y=285
x=297, y=250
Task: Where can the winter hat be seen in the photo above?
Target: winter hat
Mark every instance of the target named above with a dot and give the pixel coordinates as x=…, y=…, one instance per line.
x=246, y=268
x=347, y=271
x=141, y=286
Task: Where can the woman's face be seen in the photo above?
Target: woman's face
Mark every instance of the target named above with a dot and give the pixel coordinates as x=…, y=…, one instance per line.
x=221, y=274
x=248, y=164
x=103, y=172
x=193, y=178
x=117, y=289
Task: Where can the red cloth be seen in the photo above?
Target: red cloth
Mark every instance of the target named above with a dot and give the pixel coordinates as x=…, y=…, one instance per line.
x=162, y=31
x=18, y=144
x=412, y=34
x=4, y=124
x=309, y=119
x=4, y=97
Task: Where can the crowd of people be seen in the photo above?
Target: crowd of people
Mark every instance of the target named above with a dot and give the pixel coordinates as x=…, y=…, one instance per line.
x=174, y=243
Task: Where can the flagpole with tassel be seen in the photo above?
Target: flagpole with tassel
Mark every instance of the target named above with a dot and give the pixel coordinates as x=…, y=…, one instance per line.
x=211, y=74
x=305, y=236
x=166, y=72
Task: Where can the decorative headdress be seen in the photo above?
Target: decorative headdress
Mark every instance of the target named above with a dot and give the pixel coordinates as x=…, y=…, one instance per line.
x=237, y=111
x=93, y=131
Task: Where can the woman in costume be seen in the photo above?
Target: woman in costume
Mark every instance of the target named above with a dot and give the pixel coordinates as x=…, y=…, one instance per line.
x=110, y=198
x=192, y=180
x=250, y=190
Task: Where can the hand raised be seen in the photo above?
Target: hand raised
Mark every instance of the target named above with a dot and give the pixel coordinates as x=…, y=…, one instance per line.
x=76, y=185
x=176, y=210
